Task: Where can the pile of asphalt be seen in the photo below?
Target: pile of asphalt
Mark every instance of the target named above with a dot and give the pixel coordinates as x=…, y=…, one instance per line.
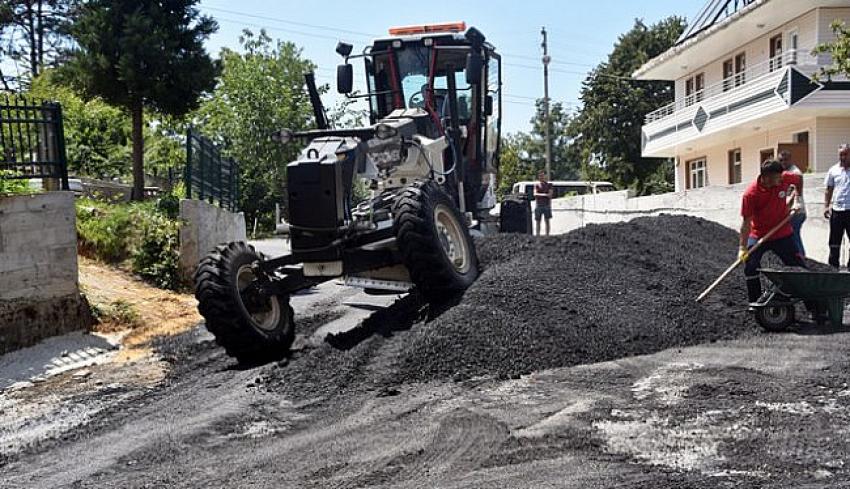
x=599, y=293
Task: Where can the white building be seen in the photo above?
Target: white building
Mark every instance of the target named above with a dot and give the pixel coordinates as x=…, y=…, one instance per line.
x=744, y=92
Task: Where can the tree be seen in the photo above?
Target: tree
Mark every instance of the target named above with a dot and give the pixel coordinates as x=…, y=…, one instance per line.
x=259, y=92
x=839, y=51
x=96, y=134
x=608, y=127
x=32, y=32
x=142, y=54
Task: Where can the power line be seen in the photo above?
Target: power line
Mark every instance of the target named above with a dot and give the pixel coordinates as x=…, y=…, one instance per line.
x=290, y=22
x=288, y=31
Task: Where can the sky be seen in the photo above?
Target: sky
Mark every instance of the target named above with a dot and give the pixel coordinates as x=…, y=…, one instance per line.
x=581, y=34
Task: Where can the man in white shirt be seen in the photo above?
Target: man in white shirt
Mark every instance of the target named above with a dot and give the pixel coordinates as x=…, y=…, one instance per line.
x=795, y=176
x=838, y=203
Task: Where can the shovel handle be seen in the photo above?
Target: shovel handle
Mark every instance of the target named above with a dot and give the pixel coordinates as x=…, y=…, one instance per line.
x=737, y=262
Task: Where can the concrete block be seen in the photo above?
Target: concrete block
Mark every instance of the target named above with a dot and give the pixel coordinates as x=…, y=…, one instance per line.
x=203, y=227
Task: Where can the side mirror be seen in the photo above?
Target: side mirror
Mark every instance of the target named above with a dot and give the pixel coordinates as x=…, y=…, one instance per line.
x=474, y=65
x=344, y=78
x=488, y=105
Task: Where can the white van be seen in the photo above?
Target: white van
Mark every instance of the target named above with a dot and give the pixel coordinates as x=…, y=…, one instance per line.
x=565, y=188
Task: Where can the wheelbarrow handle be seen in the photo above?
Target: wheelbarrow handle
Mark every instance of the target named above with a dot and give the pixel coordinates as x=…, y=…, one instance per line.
x=737, y=262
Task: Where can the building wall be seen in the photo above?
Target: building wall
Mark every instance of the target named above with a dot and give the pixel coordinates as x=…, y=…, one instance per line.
x=751, y=146
x=758, y=50
x=831, y=132
x=39, y=296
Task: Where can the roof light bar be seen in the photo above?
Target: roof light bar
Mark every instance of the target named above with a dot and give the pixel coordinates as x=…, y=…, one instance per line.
x=428, y=28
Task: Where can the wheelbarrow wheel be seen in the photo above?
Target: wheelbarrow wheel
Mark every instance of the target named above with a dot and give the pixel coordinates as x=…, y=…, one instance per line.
x=775, y=318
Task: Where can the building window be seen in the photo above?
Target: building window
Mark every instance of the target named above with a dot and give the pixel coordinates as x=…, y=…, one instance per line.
x=740, y=69
x=697, y=174
x=793, y=45
x=694, y=87
x=728, y=74
x=801, y=137
x=776, y=52
x=735, y=166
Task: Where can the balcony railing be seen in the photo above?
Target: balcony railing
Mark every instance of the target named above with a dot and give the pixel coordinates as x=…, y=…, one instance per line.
x=800, y=57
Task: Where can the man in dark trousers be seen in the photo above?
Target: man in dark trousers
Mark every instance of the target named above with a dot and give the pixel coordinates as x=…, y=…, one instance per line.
x=837, y=205
x=766, y=204
x=543, y=200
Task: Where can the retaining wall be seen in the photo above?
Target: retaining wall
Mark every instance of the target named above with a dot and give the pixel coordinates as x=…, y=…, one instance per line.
x=203, y=227
x=721, y=204
x=39, y=295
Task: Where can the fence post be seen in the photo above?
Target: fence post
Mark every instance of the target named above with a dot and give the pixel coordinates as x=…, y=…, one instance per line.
x=60, y=143
x=188, y=170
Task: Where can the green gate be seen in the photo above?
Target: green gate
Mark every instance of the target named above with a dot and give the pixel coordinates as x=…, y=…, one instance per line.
x=209, y=175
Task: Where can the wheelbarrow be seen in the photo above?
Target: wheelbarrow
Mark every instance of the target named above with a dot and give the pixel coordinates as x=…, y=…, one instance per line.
x=822, y=292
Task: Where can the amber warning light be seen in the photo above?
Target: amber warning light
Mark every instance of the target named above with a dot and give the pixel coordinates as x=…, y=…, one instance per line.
x=428, y=28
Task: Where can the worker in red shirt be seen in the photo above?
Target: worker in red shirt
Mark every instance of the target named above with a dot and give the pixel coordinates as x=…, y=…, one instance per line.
x=766, y=204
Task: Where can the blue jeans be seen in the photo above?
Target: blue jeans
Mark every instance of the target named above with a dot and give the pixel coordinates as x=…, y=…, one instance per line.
x=797, y=222
x=784, y=248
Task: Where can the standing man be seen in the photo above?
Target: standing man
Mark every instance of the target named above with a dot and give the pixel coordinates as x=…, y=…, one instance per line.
x=837, y=205
x=543, y=199
x=765, y=206
x=795, y=176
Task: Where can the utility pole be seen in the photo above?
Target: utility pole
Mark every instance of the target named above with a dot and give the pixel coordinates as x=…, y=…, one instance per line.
x=546, y=119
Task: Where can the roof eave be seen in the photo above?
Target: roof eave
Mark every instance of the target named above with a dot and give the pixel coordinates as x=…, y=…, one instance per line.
x=650, y=70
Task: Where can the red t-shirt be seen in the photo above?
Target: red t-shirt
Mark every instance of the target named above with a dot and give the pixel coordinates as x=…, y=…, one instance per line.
x=796, y=179
x=766, y=208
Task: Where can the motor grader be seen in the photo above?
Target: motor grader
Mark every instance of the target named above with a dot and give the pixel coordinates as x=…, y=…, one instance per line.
x=429, y=158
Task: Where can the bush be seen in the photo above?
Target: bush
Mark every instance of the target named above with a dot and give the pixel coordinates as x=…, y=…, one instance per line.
x=157, y=255
x=13, y=185
x=104, y=231
x=139, y=235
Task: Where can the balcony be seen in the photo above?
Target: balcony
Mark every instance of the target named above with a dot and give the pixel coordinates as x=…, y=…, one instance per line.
x=762, y=89
x=729, y=86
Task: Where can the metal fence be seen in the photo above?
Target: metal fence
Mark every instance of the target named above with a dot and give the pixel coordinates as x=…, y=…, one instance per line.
x=209, y=175
x=32, y=140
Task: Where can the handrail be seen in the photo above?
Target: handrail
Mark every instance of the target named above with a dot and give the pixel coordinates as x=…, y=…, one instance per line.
x=737, y=80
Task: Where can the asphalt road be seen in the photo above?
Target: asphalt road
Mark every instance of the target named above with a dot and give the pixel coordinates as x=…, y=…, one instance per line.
x=764, y=411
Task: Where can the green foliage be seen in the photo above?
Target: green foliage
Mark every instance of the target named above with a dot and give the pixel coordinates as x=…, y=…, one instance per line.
x=138, y=54
x=156, y=257
x=104, y=231
x=608, y=127
x=838, y=49
x=139, y=232
x=13, y=185
x=259, y=92
x=513, y=165
x=96, y=134
x=522, y=155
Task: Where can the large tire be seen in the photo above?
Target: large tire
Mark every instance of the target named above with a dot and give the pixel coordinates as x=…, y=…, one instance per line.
x=251, y=338
x=434, y=241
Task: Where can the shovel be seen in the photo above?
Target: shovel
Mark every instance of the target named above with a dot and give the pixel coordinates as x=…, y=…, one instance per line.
x=758, y=244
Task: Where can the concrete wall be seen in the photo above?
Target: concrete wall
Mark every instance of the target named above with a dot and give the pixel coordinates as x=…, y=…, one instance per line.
x=203, y=227
x=720, y=204
x=39, y=296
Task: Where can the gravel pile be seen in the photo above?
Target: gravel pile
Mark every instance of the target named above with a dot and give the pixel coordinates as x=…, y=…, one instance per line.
x=599, y=293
